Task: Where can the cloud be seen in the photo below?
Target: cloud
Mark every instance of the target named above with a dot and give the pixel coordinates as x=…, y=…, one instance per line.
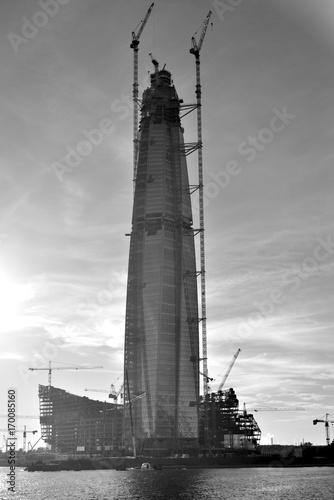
x=11, y=355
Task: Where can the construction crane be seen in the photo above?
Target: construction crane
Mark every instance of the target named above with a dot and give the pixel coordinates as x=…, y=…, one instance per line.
x=135, y=46
x=65, y=368
x=112, y=391
x=195, y=50
x=326, y=422
x=208, y=379
x=24, y=430
x=230, y=366
x=156, y=68
x=154, y=62
x=31, y=447
x=278, y=408
x=120, y=392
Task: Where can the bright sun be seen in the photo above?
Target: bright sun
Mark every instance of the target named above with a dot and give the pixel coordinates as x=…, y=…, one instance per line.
x=11, y=297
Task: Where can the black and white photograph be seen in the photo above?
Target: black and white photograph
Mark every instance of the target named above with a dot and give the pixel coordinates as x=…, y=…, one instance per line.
x=167, y=249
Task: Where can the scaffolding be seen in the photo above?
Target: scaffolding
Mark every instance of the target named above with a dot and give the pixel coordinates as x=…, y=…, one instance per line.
x=74, y=424
x=228, y=427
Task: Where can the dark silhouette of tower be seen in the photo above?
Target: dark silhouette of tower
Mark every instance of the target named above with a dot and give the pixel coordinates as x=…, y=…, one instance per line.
x=161, y=333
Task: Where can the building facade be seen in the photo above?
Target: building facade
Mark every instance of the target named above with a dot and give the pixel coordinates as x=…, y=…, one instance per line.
x=161, y=332
x=75, y=424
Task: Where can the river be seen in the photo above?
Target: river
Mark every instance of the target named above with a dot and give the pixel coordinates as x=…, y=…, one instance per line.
x=309, y=483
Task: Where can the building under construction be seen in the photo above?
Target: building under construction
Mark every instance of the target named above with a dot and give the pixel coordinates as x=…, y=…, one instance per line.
x=163, y=412
x=224, y=427
x=75, y=424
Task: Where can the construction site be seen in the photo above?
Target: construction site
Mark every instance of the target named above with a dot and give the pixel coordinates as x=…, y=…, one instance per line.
x=79, y=425
x=165, y=407
x=159, y=409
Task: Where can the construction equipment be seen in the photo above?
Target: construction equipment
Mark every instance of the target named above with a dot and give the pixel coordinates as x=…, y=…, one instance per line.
x=196, y=47
x=24, y=430
x=31, y=447
x=65, y=368
x=120, y=392
x=111, y=391
x=230, y=366
x=326, y=422
x=268, y=408
x=135, y=46
x=156, y=69
x=282, y=408
x=208, y=379
x=154, y=62
x=195, y=50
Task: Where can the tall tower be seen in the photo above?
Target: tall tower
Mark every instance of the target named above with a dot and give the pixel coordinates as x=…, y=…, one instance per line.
x=161, y=332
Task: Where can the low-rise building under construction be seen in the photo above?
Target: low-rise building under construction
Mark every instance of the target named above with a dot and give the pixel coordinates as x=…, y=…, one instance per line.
x=224, y=427
x=72, y=424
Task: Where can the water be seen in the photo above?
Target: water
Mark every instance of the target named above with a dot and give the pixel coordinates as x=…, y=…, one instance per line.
x=314, y=483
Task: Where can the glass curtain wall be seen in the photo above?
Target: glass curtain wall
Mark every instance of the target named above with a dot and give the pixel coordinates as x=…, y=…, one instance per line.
x=161, y=334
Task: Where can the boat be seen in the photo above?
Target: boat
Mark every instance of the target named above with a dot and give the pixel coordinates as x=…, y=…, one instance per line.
x=147, y=466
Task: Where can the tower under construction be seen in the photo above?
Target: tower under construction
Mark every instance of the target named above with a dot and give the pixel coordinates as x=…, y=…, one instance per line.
x=161, y=332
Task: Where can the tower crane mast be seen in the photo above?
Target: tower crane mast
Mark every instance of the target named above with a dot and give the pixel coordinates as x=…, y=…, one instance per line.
x=135, y=46
x=195, y=50
x=230, y=366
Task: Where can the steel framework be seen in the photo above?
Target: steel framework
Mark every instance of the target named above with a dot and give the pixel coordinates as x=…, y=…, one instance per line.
x=71, y=423
x=228, y=426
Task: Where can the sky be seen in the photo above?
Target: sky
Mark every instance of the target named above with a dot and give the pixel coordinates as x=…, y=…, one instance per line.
x=66, y=195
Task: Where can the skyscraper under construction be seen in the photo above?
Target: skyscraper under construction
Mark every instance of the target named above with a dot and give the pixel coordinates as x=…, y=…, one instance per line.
x=161, y=332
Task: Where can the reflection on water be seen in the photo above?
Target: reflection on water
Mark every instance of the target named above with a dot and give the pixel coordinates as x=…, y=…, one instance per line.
x=169, y=484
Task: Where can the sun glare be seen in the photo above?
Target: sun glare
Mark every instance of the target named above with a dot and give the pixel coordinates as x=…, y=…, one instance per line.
x=11, y=298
